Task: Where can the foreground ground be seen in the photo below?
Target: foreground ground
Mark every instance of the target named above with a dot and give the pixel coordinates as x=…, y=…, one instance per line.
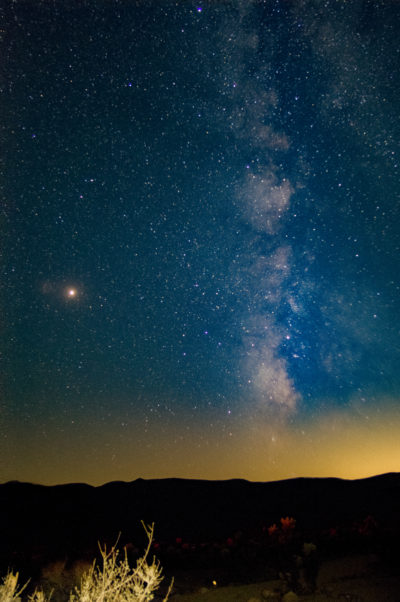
x=355, y=577
x=358, y=578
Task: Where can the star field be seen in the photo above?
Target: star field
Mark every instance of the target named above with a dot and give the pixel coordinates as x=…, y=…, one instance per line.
x=200, y=272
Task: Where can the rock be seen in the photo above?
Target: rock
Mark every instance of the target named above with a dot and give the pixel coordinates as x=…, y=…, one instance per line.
x=254, y=600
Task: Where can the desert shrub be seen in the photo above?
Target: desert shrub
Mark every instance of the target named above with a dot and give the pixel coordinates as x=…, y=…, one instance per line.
x=116, y=581
x=111, y=581
x=9, y=589
x=283, y=534
x=39, y=596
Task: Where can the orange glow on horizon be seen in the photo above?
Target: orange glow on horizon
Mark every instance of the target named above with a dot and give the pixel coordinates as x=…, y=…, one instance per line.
x=337, y=445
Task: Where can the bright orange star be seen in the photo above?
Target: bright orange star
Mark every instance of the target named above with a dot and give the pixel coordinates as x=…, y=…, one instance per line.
x=71, y=293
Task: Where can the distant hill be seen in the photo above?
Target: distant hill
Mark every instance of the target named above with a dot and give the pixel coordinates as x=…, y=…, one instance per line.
x=70, y=518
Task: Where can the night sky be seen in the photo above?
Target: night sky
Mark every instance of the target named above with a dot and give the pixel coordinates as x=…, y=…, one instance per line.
x=200, y=239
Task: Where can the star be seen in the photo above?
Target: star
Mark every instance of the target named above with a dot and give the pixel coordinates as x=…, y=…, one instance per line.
x=71, y=293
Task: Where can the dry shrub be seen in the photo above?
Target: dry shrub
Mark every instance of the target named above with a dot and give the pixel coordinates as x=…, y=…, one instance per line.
x=112, y=581
x=9, y=589
x=116, y=581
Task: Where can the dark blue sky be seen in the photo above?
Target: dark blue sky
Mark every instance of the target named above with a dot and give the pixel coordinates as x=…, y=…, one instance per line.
x=201, y=239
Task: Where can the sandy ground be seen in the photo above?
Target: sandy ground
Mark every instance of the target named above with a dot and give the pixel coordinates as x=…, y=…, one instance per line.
x=350, y=590
x=349, y=579
x=353, y=578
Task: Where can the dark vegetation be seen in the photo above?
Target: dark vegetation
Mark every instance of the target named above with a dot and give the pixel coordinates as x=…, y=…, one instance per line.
x=245, y=531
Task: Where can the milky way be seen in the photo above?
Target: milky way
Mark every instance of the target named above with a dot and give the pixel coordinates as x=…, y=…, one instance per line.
x=201, y=250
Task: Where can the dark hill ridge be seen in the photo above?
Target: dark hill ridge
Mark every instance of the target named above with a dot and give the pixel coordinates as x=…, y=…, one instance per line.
x=70, y=518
